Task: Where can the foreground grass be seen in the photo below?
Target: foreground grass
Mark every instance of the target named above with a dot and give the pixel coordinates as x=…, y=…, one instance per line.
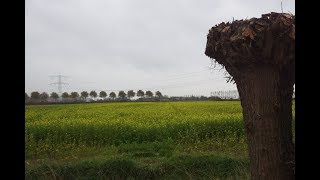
x=153, y=160
x=162, y=140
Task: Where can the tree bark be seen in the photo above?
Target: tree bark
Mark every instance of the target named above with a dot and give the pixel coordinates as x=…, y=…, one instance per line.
x=266, y=98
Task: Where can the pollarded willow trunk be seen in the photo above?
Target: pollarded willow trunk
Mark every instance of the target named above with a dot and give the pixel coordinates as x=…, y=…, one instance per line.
x=259, y=55
x=266, y=99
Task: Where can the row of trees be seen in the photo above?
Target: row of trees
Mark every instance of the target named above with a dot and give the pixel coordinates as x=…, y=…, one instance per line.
x=84, y=94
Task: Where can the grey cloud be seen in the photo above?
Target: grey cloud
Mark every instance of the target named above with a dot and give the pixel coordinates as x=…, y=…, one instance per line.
x=111, y=42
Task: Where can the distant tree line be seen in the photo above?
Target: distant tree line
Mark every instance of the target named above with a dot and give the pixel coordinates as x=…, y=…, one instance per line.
x=36, y=97
x=122, y=96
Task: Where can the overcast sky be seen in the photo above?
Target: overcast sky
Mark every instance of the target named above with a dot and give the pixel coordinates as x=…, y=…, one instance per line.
x=130, y=44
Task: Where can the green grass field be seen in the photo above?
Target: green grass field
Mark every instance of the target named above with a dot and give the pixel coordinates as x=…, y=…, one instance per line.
x=145, y=140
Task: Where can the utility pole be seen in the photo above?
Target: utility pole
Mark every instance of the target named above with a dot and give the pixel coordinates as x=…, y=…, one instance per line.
x=59, y=82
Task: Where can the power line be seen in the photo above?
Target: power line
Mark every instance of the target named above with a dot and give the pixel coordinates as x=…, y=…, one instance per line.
x=172, y=77
x=164, y=86
x=190, y=73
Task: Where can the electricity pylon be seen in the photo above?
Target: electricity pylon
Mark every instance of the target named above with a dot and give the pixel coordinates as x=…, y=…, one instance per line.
x=59, y=82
